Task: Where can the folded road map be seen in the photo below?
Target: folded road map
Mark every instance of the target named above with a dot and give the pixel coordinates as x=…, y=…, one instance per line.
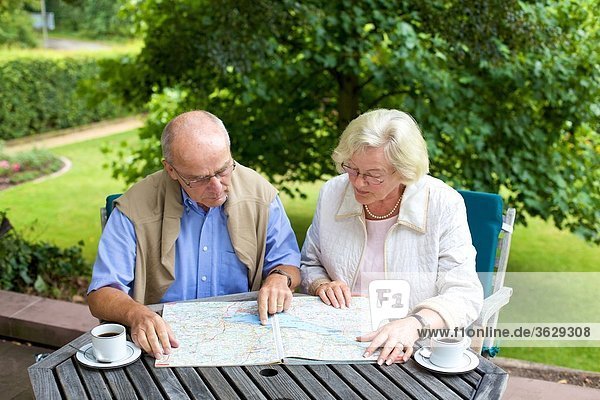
x=230, y=333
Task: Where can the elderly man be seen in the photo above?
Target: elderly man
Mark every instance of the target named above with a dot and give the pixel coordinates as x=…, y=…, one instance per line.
x=203, y=226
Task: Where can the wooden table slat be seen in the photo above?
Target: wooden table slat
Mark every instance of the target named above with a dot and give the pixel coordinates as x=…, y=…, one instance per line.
x=412, y=385
x=166, y=380
x=64, y=353
x=311, y=385
x=357, y=381
x=426, y=379
x=43, y=383
x=472, y=378
x=141, y=379
x=492, y=386
x=93, y=382
x=276, y=382
x=486, y=366
x=190, y=379
x=119, y=384
x=331, y=380
x=217, y=383
x=458, y=384
x=385, y=385
x=42, y=371
x=237, y=376
x=69, y=381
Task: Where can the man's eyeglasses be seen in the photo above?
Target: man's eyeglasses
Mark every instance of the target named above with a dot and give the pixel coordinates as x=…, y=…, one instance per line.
x=370, y=179
x=205, y=180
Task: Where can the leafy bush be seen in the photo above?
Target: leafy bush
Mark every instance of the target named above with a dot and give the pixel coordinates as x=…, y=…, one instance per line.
x=44, y=94
x=41, y=268
x=161, y=109
x=16, y=29
x=27, y=166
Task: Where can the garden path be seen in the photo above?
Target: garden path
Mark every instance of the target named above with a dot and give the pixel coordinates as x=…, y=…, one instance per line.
x=70, y=44
x=74, y=135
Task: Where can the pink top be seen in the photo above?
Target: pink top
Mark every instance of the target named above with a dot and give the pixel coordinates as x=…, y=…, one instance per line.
x=372, y=265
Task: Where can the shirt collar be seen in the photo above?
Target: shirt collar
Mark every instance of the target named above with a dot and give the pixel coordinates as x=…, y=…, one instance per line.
x=413, y=209
x=191, y=205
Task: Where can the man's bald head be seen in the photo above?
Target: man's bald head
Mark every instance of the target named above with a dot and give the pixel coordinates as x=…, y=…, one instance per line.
x=194, y=128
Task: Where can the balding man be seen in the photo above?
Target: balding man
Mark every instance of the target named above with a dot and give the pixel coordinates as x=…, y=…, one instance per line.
x=203, y=226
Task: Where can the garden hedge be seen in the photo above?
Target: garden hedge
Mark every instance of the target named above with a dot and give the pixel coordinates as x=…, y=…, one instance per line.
x=44, y=94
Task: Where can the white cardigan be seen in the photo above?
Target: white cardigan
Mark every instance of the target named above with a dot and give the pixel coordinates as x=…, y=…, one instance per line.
x=429, y=246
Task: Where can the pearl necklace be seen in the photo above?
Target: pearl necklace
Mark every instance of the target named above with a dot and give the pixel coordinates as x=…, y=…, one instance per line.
x=386, y=216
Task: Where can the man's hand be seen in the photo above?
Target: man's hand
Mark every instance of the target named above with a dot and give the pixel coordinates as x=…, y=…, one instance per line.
x=335, y=293
x=152, y=333
x=396, y=340
x=274, y=296
x=148, y=330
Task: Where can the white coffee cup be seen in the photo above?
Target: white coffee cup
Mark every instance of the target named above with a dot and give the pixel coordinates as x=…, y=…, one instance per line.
x=447, y=352
x=109, y=342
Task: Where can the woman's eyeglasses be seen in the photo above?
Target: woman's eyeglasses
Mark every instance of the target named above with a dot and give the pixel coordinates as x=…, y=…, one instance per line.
x=370, y=179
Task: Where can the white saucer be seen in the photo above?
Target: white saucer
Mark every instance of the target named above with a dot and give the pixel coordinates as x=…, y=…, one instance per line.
x=85, y=355
x=468, y=363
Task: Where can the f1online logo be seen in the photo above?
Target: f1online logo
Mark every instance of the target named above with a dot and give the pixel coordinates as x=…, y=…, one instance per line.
x=388, y=300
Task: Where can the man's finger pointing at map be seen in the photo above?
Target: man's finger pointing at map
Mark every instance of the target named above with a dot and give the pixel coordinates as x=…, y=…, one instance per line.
x=275, y=295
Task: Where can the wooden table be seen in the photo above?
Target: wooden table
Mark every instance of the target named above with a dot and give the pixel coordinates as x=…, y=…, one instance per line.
x=60, y=376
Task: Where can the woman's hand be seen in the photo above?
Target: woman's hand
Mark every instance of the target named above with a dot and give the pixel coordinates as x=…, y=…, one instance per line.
x=335, y=293
x=396, y=340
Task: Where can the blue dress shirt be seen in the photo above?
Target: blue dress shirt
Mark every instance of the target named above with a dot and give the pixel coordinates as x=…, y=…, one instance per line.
x=205, y=262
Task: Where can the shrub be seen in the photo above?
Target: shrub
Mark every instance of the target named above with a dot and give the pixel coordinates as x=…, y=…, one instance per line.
x=44, y=94
x=15, y=27
x=40, y=268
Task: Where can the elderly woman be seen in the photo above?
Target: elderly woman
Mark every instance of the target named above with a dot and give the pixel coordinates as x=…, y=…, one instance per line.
x=384, y=217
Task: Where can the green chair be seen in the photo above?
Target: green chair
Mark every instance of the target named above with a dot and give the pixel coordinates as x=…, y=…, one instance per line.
x=491, y=232
x=107, y=209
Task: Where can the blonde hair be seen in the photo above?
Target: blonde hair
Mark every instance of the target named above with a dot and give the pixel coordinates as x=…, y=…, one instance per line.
x=396, y=132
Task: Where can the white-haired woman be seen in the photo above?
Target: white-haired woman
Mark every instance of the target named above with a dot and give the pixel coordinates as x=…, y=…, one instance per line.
x=384, y=217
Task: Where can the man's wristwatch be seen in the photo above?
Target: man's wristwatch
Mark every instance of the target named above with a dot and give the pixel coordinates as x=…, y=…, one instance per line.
x=281, y=272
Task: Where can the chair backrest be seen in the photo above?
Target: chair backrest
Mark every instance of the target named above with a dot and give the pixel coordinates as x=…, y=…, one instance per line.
x=491, y=232
x=484, y=215
x=108, y=207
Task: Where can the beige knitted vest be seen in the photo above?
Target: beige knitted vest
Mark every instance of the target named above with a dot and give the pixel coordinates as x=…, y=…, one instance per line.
x=155, y=206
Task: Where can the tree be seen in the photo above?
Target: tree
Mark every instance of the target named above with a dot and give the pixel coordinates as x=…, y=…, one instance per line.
x=16, y=29
x=506, y=92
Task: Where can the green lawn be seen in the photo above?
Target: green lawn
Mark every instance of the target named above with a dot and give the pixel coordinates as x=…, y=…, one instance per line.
x=7, y=54
x=66, y=210
x=300, y=211
x=540, y=247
